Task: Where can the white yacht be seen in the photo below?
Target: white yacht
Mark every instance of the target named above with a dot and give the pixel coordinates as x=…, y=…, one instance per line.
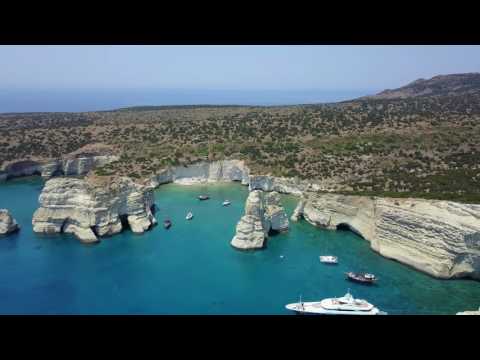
x=226, y=203
x=329, y=259
x=345, y=305
x=189, y=216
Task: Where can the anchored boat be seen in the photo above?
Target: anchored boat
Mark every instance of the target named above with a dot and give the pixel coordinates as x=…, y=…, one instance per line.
x=189, y=216
x=226, y=203
x=167, y=223
x=345, y=305
x=203, y=197
x=363, y=278
x=328, y=259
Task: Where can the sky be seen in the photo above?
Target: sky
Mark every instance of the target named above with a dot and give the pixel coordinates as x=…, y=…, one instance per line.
x=219, y=67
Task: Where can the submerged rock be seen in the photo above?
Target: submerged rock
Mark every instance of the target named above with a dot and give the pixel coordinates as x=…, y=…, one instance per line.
x=263, y=213
x=91, y=210
x=7, y=222
x=441, y=238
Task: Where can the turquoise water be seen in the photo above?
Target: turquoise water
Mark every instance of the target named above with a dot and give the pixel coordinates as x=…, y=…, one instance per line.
x=192, y=269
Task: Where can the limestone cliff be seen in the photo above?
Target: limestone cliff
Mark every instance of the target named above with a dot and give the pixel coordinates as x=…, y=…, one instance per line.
x=75, y=166
x=223, y=170
x=69, y=166
x=90, y=210
x=235, y=170
x=274, y=212
x=287, y=185
x=263, y=213
x=7, y=222
x=441, y=238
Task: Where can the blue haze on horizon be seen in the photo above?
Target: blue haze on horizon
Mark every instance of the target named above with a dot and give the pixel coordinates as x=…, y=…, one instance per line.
x=87, y=78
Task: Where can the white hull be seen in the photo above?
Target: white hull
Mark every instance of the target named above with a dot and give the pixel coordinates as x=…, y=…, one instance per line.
x=345, y=305
x=314, y=308
x=328, y=259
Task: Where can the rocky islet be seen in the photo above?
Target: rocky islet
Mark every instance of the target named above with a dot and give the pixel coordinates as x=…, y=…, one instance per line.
x=7, y=223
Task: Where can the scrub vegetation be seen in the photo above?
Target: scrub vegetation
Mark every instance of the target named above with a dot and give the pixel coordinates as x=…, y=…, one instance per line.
x=424, y=144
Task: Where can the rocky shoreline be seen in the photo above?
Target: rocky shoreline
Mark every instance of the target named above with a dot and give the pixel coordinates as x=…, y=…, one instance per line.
x=440, y=238
x=70, y=165
x=90, y=211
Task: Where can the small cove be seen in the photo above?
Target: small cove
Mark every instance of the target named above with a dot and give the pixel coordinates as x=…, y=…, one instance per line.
x=192, y=269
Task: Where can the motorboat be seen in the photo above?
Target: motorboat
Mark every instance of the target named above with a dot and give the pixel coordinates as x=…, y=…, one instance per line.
x=167, y=223
x=328, y=259
x=226, y=203
x=345, y=305
x=203, y=197
x=364, y=278
x=189, y=216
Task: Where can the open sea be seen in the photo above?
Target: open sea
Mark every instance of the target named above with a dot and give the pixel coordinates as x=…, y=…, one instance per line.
x=79, y=100
x=192, y=269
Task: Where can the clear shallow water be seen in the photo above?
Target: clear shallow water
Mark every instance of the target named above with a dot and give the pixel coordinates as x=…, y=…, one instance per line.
x=192, y=269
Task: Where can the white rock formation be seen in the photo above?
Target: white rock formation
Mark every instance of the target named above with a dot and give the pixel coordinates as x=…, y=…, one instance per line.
x=262, y=214
x=287, y=185
x=75, y=166
x=7, y=223
x=91, y=210
x=251, y=230
x=69, y=166
x=441, y=238
x=297, y=213
x=223, y=170
x=275, y=213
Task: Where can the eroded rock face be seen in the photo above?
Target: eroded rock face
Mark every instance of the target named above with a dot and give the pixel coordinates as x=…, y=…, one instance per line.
x=441, y=238
x=224, y=170
x=69, y=166
x=22, y=168
x=91, y=210
x=263, y=213
x=274, y=212
x=298, y=212
x=7, y=222
x=286, y=185
x=3, y=176
x=251, y=230
x=75, y=166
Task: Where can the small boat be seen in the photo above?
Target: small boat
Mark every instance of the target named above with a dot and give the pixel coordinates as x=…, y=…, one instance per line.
x=281, y=256
x=345, y=305
x=203, y=197
x=189, y=216
x=167, y=223
x=226, y=203
x=328, y=259
x=363, y=278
